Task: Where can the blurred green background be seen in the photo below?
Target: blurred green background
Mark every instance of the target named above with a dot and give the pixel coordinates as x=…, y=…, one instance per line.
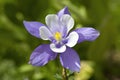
x=100, y=60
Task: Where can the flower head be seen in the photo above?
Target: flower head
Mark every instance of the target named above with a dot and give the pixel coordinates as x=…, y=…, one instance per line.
x=57, y=30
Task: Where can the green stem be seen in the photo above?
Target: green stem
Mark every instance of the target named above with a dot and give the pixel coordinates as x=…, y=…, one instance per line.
x=64, y=74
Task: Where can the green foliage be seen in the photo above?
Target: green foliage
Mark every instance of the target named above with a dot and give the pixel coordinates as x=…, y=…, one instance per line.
x=86, y=70
x=101, y=58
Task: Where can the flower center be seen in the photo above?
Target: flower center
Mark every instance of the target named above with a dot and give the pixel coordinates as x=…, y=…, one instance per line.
x=58, y=36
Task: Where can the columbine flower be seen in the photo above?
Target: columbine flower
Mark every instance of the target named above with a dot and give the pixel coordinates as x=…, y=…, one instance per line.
x=57, y=30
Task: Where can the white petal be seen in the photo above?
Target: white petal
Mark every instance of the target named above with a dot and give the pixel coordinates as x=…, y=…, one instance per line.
x=67, y=21
x=45, y=34
x=57, y=50
x=72, y=39
x=52, y=22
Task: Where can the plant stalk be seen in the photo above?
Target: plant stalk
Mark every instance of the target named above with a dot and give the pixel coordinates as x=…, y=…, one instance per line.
x=64, y=74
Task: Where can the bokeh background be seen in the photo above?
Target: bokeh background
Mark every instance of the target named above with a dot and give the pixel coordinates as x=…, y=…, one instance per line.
x=100, y=60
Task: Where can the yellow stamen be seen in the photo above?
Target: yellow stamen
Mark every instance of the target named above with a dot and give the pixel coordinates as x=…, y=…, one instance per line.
x=58, y=36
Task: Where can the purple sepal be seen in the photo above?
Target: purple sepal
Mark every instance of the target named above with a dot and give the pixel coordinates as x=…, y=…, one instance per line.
x=42, y=55
x=87, y=34
x=63, y=11
x=33, y=27
x=70, y=60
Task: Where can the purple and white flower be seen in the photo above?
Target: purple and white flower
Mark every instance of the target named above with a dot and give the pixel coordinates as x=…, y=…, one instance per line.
x=57, y=30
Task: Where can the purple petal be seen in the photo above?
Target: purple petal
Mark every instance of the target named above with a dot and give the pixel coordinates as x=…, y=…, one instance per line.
x=41, y=55
x=33, y=27
x=63, y=11
x=87, y=34
x=70, y=60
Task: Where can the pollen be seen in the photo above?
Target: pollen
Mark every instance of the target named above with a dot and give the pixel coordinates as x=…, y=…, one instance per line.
x=58, y=36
